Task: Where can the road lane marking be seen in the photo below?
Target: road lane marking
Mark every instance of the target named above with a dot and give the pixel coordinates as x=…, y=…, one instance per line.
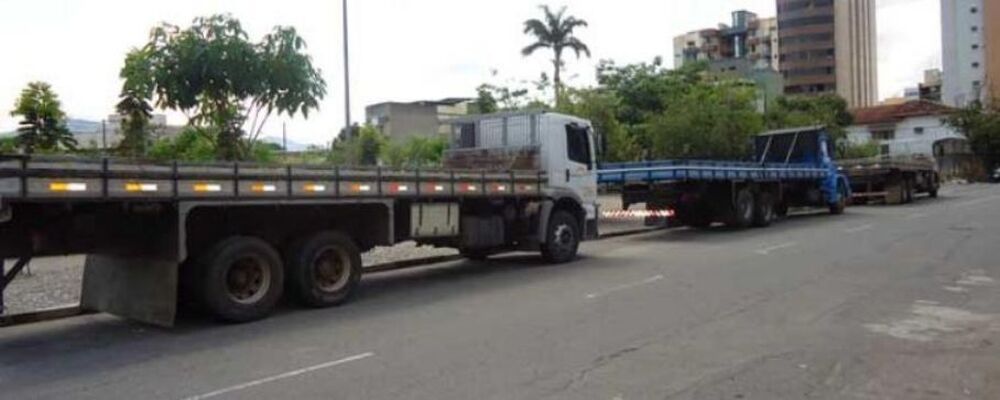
x=624, y=287
x=767, y=250
x=285, y=375
x=861, y=228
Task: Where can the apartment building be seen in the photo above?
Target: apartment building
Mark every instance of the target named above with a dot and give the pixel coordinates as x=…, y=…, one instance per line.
x=964, y=50
x=829, y=46
x=749, y=38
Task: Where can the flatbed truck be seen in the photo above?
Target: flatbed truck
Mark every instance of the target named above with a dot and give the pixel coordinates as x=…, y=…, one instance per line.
x=891, y=180
x=790, y=168
x=235, y=238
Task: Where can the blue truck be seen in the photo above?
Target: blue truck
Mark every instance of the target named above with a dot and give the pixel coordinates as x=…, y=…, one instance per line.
x=790, y=168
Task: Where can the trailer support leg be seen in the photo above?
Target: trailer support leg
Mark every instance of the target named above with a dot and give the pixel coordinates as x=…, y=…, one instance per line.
x=7, y=277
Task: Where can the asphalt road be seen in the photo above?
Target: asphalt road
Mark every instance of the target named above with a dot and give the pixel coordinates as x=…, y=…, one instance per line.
x=880, y=303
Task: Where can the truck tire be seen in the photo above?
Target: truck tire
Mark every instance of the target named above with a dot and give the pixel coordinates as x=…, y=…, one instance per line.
x=763, y=213
x=323, y=269
x=894, y=194
x=562, y=238
x=241, y=279
x=741, y=212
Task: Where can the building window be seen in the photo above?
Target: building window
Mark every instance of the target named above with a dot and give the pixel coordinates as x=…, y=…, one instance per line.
x=975, y=28
x=975, y=64
x=974, y=10
x=918, y=130
x=975, y=46
x=883, y=135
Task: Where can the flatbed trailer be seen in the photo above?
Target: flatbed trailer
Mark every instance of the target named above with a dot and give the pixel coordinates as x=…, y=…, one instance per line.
x=792, y=168
x=891, y=180
x=232, y=237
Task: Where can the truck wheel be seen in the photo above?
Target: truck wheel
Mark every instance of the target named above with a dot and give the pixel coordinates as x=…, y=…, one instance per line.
x=763, y=213
x=323, y=269
x=907, y=191
x=894, y=194
x=838, y=207
x=742, y=210
x=562, y=238
x=241, y=279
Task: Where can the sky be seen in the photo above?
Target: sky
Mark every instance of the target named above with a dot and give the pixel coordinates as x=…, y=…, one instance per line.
x=401, y=50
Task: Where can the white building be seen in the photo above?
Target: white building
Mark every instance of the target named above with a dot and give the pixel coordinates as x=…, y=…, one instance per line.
x=963, y=50
x=905, y=129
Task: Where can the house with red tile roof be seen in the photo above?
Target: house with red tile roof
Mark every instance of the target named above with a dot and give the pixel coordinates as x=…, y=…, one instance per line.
x=904, y=129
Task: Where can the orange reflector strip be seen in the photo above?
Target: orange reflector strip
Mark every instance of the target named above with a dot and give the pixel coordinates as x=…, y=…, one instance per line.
x=314, y=187
x=68, y=187
x=207, y=187
x=361, y=188
x=263, y=188
x=141, y=187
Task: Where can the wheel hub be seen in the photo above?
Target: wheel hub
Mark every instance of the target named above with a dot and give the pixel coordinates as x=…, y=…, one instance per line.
x=331, y=270
x=248, y=280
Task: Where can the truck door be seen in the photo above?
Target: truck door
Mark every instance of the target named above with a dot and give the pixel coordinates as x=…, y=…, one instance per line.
x=579, y=172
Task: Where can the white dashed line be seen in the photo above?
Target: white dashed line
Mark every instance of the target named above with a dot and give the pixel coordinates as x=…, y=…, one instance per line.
x=285, y=375
x=767, y=250
x=861, y=228
x=624, y=287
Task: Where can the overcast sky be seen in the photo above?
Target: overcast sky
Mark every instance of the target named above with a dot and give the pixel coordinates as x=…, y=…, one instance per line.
x=401, y=49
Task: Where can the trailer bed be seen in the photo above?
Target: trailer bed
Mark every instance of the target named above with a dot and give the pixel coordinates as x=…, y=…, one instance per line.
x=38, y=179
x=686, y=170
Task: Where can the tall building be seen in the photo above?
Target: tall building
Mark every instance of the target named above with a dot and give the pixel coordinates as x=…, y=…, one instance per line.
x=964, y=50
x=991, y=14
x=751, y=39
x=829, y=46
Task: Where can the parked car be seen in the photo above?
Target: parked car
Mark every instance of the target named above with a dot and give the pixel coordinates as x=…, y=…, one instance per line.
x=995, y=176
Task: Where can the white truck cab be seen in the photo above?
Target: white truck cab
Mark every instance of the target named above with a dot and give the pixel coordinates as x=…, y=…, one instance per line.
x=563, y=147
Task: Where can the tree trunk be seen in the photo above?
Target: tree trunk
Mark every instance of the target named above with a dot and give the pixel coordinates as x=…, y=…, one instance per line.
x=557, y=76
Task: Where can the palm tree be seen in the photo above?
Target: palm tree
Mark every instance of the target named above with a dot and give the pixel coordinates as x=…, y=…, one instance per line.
x=556, y=33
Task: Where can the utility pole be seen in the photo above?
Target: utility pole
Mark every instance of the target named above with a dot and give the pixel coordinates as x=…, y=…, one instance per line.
x=347, y=78
x=104, y=136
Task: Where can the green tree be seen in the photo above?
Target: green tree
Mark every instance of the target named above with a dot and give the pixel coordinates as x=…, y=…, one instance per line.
x=850, y=151
x=794, y=111
x=8, y=144
x=600, y=106
x=980, y=123
x=43, y=126
x=133, y=106
x=555, y=31
x=706, y=120
x=212, y=72
x=192, y=144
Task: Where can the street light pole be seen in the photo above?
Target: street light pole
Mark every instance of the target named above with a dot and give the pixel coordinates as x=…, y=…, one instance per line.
x=347, y=79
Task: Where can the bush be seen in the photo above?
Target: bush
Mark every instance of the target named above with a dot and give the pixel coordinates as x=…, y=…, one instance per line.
x=193, y=144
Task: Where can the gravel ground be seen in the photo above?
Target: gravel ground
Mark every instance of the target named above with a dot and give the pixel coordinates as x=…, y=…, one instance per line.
x=55, y=281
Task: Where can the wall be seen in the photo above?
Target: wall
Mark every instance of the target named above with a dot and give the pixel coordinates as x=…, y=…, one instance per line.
x=907, y=141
